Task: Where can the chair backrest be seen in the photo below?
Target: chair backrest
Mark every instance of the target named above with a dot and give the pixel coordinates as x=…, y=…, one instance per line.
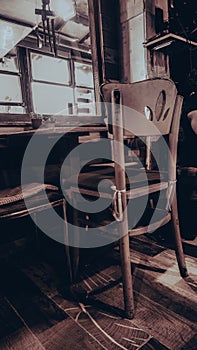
x=147, y=106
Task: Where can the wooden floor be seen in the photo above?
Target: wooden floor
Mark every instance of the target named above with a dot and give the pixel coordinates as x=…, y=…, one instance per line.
x=37, y=311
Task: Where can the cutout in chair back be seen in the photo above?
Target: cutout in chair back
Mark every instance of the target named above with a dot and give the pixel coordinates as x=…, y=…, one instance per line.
x=160, y=105
x=166, y=113
x=148, y=113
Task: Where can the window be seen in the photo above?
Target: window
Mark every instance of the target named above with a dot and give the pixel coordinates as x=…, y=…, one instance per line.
x=84, y=90
x=44, y=83
x=10, y=92
x=51, y=99
x=60, y=87
x=83, y=75
x=51, y=88
x=46, y=68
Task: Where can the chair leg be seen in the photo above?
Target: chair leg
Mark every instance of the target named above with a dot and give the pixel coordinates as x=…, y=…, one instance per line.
x=179, y=248
x=37, y=237
x=126, y=272
x=75, y=250
x=75, y=262
x=67, y=248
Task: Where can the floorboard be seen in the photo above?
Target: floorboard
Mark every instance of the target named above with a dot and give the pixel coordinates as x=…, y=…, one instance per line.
x=14, y=333
x=39, y=311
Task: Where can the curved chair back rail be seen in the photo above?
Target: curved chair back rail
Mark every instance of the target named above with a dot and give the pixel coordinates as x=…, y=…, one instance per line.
x=152, y=101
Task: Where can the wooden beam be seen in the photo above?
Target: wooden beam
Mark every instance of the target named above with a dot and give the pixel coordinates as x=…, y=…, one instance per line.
x=85, y=37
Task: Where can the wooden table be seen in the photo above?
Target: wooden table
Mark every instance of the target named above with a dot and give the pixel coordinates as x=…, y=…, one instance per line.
x=78, y=129
x=13, y=142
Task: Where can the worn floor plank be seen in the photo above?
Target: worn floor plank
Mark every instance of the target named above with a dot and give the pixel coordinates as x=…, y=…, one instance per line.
x=48, y=323
x=91, y=316
x=65, y=335
x=100, y=325
x=14, y=334
x=169, y=327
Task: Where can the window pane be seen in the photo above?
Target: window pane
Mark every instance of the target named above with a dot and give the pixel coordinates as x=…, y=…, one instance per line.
x=11, y=33
x=83, y=75
x=51, y=99
x=10, y=88
x=9, y=64
x=50, y=69
x=75, y=30
x=12, y=109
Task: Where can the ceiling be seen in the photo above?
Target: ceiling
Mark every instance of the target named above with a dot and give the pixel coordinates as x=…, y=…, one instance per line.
x=75, y=28
x=20, y=10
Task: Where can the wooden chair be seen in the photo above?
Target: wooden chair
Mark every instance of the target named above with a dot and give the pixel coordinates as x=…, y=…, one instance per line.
x=12, y=203
x=148, y=109
x=33, y=198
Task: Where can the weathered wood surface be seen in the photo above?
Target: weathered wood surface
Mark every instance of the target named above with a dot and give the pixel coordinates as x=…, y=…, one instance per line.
x=42, y=320
x=14, y=333
x=53, y=130
x=37, y=311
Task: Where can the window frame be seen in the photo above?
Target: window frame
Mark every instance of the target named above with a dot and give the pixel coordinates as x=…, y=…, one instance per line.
x=32, y=80
x=73, y=52
x=47, y=81
x=75, y=83
x=19, y=75
x=72, y=81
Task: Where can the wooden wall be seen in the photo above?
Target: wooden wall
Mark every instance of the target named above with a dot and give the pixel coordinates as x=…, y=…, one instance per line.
x=138, y=25
x=157, y=61
x=110, y=22
x=106, y=40
x=133, y=34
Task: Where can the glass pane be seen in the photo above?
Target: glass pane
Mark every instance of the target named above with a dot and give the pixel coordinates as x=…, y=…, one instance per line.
x=83, y=75
x=64, y=9
x=10, y=88
x=11, y=33
x=75, y=30
x=85, y=101
x=9, y=64
x=51, y=99
x=50, y=69
x=12, y=109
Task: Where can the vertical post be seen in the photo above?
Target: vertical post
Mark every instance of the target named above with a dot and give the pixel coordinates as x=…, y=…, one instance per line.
x=96, y=45
x=120, y=182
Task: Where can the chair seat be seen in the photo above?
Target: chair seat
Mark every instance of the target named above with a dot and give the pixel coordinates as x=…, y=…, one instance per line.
x=12, y=199
x=136, y=178
x=139, y=184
